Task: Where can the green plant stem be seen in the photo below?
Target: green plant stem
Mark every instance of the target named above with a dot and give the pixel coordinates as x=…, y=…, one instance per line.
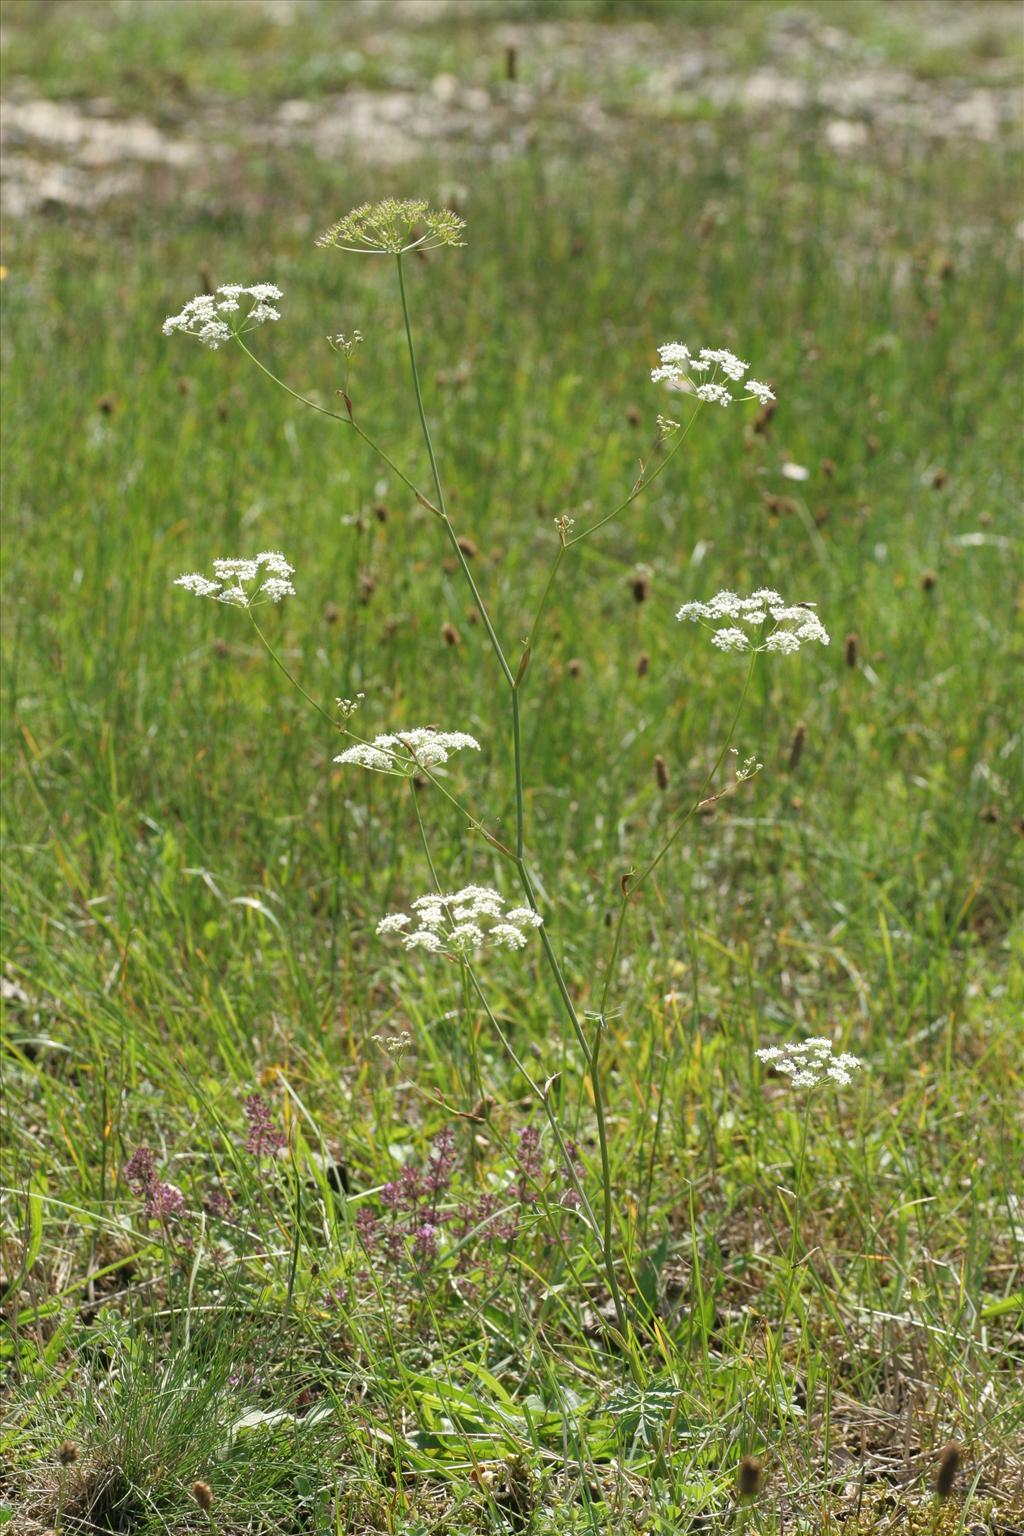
x=347, y=420
x=640, y=486
x=442, y=507
x=795, y=1234
x=543, y=1099
x=517, y=754
x=275, y=658
x=556, y=970
x=528, y=647
x=423, y=837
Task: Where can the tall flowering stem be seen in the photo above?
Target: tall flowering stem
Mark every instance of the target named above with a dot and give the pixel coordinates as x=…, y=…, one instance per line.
x=589, y=1052
x=455, y=925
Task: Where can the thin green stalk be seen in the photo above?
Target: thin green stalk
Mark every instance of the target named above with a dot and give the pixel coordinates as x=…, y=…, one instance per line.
x=640, y=486
x=517, y=752
x=542, y=1098
x=449, y=529
x=563, y=991
x=347, y=420
x=423, y=837
x=528, y=647
x=275, y=658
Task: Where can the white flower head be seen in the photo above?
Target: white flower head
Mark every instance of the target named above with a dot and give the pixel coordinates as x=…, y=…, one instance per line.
x=461, y=923
x=791, y=626
x=730, y=639
x=244, y=582
x=714, y=394
x=811, y=1062
x=402, y=752
x=203, y=316
x=679, y=366
x=202, y=586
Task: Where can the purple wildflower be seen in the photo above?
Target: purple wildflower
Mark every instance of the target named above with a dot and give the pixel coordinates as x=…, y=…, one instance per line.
x=402, y=1195
x=367, y=1228
x=140, y=1171
x=528, y=1157
x=264, y=1137
x=220, y=1205
x=424, y=1241
x=163, y=1200
x=441, y=1164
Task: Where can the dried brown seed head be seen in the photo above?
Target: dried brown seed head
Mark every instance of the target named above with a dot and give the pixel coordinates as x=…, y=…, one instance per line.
x=749, y=1478
x=950, y=1459
x=203, y=1495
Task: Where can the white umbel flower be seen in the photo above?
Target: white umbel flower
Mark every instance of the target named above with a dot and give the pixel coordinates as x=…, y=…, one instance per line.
x=811, y=1062
x=245, y=582
x=202, y=586
x=681, y=369
x=462, y=922
x=205, y=316
x=714, y=394
x=402, y=752
x=792, y=625
x=730, y=640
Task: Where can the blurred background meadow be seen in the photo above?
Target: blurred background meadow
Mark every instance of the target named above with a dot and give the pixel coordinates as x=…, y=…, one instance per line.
x=832, y=190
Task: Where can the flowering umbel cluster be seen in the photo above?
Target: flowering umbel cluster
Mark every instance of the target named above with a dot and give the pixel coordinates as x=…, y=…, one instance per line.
x=681, y=370
x=245, y=583
x=214, y=318
x=393, y=226
x=811, y=1062
x=403, y=753
x=792, y=625
x=461, y=923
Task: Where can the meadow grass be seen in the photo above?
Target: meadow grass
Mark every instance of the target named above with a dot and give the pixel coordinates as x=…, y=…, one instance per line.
x=192, y=887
